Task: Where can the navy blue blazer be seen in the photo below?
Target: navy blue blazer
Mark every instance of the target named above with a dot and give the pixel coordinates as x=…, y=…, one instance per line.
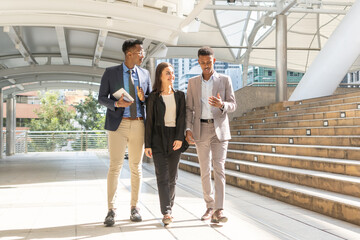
x=111, y=81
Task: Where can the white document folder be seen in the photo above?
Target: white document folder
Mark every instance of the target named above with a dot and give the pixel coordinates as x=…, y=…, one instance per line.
x=127, y=96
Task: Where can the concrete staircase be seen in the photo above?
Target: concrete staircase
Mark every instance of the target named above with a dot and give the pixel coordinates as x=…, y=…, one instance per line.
x=305, y=153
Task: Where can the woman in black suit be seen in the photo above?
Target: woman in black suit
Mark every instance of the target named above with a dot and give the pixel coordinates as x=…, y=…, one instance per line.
x=164, y=134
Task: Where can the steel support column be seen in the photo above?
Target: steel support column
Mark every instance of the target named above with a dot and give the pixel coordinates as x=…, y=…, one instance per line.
x=281, y=58
x=245, y=68
x=151, y=67
x=10, y=128
x=1, y=123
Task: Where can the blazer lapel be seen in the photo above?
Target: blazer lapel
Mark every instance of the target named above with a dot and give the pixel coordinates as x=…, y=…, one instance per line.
x=176, y=95
x=198, y=86
x=141, y=77
x=120, y=81
x=161, y=108
x=216, y=84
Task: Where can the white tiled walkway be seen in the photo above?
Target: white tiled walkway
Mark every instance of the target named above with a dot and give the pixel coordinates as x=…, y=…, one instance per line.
x=63, y=196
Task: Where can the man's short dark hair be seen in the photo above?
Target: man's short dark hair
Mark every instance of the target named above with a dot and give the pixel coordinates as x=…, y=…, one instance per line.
x=205, y=51
x=130, y=43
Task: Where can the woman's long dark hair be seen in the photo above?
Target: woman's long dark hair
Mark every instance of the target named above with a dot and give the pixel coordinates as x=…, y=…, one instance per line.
x=159, y=69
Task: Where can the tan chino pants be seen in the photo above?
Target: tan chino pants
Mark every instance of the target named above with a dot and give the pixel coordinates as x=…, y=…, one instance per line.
x=131, y=134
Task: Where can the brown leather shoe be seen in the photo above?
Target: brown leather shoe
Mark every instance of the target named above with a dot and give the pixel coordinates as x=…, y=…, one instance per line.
x=207, y=214
x=218, y=217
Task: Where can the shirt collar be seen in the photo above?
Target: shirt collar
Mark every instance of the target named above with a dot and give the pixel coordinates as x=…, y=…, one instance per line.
x=210, y=79
x=126, y=69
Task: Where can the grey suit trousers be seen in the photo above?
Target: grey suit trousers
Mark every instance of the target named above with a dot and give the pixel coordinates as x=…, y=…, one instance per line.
x=212, y=152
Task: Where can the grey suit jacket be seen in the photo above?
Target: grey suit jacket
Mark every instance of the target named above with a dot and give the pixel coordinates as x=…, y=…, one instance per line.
x=111, y=81
x=222, y=84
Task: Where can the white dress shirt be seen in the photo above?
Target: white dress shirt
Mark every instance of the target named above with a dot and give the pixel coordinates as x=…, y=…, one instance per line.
x=206, y=92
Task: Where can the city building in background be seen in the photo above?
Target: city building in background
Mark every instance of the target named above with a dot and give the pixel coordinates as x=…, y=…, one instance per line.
x=73, y=97
x=185, y=68
x=236, y=76
x=351, y=80
x=184, y=80
x=181, y=67
x=27, y=103
x=262, y=76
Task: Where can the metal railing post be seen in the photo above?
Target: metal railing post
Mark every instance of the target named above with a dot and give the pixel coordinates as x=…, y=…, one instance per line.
x=86, y=141
x=53, y=140
x=81, y=141
x=26, y=142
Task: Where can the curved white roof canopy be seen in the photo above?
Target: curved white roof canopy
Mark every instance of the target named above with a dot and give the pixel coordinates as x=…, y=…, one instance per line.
x=75, y=40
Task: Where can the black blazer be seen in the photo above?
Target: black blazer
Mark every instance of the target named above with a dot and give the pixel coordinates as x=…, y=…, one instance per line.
x=155, y=125
x=111, y=81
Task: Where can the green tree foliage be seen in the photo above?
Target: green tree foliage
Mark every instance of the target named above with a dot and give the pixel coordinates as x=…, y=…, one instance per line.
x=53, y=114
x=90, y=114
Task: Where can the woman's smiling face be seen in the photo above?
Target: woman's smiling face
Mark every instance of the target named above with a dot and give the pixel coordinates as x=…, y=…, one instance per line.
x=167, y=76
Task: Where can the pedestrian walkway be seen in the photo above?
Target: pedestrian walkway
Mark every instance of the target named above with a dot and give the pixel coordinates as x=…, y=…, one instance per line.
x=63, y=196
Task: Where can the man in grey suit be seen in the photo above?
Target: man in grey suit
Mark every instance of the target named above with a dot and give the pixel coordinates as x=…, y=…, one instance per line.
x=210, y=97
x=125, y=122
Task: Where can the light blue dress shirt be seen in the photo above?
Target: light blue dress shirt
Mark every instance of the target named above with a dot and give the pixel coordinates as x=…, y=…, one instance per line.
x=135, y=77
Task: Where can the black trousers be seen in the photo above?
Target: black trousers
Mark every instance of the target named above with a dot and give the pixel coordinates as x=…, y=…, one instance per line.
x=166, y=170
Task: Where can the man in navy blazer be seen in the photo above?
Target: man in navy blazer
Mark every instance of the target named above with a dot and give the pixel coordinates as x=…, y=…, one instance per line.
x=125, y=122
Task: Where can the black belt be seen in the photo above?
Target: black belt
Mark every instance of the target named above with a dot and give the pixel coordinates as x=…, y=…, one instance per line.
x=207, y=120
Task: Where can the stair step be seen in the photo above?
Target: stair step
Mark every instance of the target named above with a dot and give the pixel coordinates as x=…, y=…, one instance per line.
x=322, y=151
x=299, y=123
x=353, y=99
x=353, y=113
x=336, y=107
x=331, y=165
x=341, y=152
x=335, y=205
x=314, y=131
x=324, y=98
x=353, y=141
x=343, y=184
x=295, y=105
x=349, y=185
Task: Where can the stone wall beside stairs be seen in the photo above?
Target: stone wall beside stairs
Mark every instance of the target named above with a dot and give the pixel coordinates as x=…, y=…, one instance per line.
x=250, y=97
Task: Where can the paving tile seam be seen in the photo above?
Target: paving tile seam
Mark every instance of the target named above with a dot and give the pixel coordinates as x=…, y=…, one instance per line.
x=289, y=217
x=169, y=228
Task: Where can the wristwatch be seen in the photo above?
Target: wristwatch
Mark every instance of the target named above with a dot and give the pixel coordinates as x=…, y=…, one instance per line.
x=222, y=107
